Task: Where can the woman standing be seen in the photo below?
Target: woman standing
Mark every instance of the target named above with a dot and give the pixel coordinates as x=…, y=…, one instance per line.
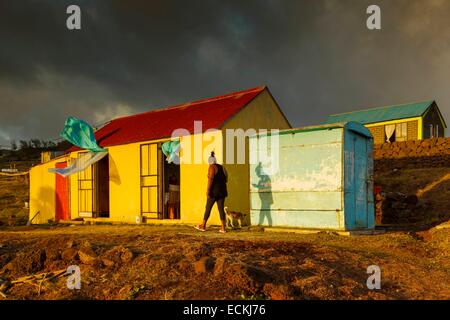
x=216, y=192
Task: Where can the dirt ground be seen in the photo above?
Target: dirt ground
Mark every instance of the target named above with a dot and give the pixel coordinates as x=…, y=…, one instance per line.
x=178, y=262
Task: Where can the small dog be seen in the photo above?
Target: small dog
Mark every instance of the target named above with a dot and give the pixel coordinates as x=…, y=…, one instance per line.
x=234, y=216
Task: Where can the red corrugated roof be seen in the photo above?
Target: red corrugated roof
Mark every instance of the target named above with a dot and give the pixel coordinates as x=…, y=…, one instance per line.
x=157, y=124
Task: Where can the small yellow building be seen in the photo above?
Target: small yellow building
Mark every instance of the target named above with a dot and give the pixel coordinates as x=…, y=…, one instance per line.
x=412, y=121
x=131, y=183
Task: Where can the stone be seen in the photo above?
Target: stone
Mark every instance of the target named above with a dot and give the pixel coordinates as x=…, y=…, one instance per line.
x=118, y=254
x=203, y=265
x=221, y=264
x=126, y=254
x=87, y=258
x=277, y=291
x=87, y=254
x=70, y=244
x=107, y=262
x=69, y=254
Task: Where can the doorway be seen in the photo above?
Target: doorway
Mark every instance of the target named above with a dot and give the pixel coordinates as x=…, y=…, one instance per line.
x=160, y=184
x=171, y=180
x=93, y=189
x=101, y=187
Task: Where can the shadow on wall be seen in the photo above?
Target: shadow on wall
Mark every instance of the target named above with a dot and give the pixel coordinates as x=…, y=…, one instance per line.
x=264, y=187
x=44, y=203
x=113, y=172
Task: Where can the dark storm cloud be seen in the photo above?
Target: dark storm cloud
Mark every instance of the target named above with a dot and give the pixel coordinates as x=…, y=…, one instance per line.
x=317, y=57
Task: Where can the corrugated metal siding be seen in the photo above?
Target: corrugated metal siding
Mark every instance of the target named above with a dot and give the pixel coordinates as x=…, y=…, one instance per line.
x=383, y=114
x=317, y=175
x=306, y=190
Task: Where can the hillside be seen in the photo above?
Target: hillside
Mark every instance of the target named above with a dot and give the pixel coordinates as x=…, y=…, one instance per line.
x=415, y=180
x=14, y=192
x=430, y=185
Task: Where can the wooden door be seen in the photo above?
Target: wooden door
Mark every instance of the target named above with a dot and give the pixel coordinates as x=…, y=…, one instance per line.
x=151, y=206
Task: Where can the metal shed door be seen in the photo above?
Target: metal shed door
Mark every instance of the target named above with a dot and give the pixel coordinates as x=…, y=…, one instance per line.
x=360, y=182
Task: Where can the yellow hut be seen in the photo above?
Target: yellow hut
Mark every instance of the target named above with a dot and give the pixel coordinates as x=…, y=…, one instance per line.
x=131, y=184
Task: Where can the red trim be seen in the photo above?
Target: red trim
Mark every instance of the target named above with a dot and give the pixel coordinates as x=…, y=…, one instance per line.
x=62, y=195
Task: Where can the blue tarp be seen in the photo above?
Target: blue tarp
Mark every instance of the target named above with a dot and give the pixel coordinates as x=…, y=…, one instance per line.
x=79, y=164
x=81, y=134
x=171, y=150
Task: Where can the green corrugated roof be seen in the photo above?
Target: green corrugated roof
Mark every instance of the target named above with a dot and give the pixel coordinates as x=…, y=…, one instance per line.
x=387, y=113
x=352, y=125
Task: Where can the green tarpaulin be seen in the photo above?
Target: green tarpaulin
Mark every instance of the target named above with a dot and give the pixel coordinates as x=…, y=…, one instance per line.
x=81, y=134
x=83, y=161
x=171, y=150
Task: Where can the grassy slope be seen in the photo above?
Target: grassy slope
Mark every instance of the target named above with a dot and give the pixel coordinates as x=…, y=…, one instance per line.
x=431, y=185
x=14, y=192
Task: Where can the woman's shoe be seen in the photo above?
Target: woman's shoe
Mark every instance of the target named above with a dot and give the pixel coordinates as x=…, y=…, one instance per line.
x=199, y=228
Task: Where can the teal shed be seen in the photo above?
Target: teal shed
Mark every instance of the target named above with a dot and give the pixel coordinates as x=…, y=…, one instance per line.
x=318, y=177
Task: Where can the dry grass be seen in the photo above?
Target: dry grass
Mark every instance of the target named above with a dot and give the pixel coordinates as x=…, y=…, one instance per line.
x=14, y=192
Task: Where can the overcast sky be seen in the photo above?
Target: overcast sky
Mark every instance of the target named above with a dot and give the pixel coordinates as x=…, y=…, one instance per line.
x=317, y=57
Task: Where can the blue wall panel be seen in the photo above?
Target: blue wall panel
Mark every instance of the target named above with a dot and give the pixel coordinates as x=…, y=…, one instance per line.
x=322, y=179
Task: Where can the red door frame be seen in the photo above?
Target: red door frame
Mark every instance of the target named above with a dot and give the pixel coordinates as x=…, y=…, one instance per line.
x=62, y=211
